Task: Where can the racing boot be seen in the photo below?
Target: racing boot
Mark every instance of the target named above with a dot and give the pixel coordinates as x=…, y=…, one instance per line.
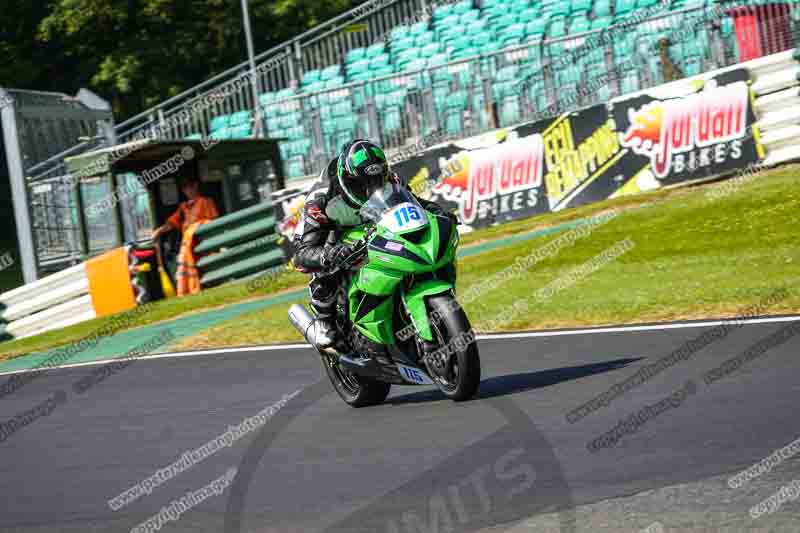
x=324, y=333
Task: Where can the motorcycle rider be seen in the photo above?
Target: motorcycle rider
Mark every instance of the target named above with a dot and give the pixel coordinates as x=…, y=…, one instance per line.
x=333, y=203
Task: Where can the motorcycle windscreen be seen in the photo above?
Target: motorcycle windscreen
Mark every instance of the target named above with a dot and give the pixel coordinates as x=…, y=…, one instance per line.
x=394, y=208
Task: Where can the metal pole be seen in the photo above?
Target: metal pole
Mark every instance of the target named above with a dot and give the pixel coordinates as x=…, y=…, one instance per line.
x=251, y=57
x=19, y=192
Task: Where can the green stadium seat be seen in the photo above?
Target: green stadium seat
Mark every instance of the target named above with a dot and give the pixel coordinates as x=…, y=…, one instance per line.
x=379, y=61
x=220, y=122
x=581, y=5
x=242, y=131
x=450, y=34
x=418, y=28
x=295, y=133
x=392, y=120
x=438, y=59
x=630, y=82
x=356, y=54
x=462, y=53
x=479, y=26
x=416, y=64
x=624, y=6
x=693, y=66
x=513, y=31
x=441, y=12
x=454, y=122
x=397, y=46
x=294, y=169
x=222, y=134
x=357, y=67
x=480, y=39
x=266, y=98
x=602, y=8
x=194, y=137
x=579, y=25
x=462, y=7
x=400, y=32
x=510, y=112
x=431, y=49
x=529, y=15
x=405, y=56
x=330, y=72
x=424, y=38
x=240, y=117
x=601, y=23
x=505, y=21
x=495, y=12
x=558, y=27
x=536, y=27
x=676, y=52
x=462, y=42
x=561, y=8
x=375, y=50
x=441, y=76
x=314, y=87
x=469, y=17
x=447, y=23
x=311, y=76
x=332, y=83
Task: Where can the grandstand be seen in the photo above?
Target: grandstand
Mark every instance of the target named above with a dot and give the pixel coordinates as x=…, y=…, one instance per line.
x=399, y=70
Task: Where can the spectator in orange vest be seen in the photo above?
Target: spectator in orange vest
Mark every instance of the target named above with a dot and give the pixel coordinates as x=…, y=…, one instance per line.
x=190, y=215
x=197, y=207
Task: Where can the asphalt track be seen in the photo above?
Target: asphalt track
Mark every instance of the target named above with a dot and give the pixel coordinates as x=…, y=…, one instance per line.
x=508, y=461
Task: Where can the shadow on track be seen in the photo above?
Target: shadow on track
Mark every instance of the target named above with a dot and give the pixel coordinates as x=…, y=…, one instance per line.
x=516, y=383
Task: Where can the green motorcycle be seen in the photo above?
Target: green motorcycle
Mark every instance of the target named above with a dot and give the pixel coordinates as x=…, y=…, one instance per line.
x=398, y=317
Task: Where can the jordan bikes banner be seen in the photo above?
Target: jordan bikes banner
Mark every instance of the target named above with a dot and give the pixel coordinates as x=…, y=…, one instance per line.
x=688, y=130
x=675, y=133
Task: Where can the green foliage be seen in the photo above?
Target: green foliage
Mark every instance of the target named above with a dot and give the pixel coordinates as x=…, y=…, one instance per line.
x=137, y=53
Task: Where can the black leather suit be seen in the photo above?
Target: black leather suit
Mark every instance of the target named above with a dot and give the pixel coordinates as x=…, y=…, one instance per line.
x=324, y=215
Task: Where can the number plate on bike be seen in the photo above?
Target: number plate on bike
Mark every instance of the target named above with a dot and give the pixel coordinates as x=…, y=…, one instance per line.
x=414, y=375
x=404, y=217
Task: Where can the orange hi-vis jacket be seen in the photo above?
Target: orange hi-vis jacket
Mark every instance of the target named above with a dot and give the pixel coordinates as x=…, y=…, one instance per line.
x=193, y=211
x=188, y=218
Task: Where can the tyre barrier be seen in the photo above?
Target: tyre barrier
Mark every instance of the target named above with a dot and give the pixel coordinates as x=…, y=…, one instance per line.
x=99, y=287
x=239, y=245
x=53, y=302
x=777, y=106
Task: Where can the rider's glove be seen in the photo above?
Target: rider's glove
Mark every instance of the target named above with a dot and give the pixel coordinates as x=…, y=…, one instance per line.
x=335, y=254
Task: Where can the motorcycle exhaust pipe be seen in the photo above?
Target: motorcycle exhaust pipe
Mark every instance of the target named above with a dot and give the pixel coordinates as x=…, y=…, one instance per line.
x=303, y=321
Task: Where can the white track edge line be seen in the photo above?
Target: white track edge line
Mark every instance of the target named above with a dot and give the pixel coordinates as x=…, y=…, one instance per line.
x=493, y=336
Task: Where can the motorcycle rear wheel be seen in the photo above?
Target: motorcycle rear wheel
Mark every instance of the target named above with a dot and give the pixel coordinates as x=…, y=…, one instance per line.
x=356, y=391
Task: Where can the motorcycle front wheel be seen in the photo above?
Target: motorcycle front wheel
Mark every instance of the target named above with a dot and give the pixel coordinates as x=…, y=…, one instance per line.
x=453, y=333
x=356, y=391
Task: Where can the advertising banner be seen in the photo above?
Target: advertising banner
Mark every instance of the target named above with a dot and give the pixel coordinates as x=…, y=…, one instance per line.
x=688, y=130
x=679, y=132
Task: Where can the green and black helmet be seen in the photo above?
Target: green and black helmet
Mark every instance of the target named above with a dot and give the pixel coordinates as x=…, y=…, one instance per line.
x=361, y=170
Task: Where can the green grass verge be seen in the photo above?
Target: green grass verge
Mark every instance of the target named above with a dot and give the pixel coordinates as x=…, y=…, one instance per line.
x=693, y=257
x=163, y=310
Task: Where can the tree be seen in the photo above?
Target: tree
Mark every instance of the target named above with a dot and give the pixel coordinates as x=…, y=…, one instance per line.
x=137, y=53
